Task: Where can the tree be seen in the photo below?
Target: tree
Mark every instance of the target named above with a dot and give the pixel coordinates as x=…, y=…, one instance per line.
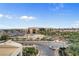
x=4, y=37
x=29, y=51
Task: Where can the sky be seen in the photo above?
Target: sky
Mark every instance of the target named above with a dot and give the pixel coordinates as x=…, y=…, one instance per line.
x=47, y=15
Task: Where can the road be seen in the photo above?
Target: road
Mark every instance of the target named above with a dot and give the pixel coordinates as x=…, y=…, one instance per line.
x=44, y=50
x=43, y=47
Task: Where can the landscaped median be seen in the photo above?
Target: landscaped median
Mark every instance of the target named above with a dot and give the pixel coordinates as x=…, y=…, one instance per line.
x=30, y=51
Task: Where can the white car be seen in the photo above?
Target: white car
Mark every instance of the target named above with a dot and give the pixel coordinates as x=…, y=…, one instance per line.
x=51, y=47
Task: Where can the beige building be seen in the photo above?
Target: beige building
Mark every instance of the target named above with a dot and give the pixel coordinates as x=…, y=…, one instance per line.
x=32, y=30
x=10, y=48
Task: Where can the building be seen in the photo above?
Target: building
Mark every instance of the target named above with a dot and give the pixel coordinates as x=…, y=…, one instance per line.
x=10, y=48
x=32, y=30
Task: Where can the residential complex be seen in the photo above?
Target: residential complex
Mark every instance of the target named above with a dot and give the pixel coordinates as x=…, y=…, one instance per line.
x=22, y=32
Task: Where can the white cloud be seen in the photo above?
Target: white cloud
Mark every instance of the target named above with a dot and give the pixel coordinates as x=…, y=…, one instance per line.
x=23, y=17
x=75, y=24
x=56, y=6
x=8, y=16
x=3, y=26
x=1, y=15
x=5, y=16
x=27, y=17
x=31, y=17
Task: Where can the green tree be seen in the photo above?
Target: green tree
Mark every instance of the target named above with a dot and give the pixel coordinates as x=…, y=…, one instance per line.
x=30, y=51
x=4, y=37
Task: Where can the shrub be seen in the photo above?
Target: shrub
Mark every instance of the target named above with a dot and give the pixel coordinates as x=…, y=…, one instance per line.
x=30, y=51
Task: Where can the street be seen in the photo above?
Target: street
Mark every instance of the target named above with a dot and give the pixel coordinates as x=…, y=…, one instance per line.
x=43, y=47
x=45, y=50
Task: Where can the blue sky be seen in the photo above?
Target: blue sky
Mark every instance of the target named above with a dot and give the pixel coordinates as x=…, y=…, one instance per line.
x=24, y=15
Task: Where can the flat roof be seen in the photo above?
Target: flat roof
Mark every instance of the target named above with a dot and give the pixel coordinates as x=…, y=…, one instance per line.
x=7, y=50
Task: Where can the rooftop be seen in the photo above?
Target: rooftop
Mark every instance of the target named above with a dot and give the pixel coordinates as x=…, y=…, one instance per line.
x=9, y=48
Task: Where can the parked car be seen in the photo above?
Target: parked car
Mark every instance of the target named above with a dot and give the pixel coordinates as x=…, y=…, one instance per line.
x=51, y=47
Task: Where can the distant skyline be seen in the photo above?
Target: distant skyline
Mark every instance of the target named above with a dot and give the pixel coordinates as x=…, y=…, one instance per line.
x=49, y=15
